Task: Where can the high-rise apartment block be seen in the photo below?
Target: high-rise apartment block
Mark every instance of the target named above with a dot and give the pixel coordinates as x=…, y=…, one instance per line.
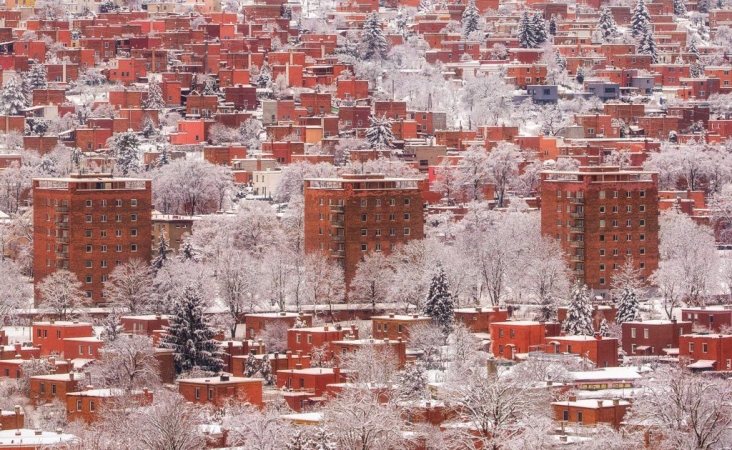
x=353, y=215
x=88, y=224
x=602, y=216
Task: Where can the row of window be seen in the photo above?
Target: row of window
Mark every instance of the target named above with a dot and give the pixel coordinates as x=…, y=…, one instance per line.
x=118, y=203
x=103, y=263
x=103, y=233
x=117, y=218
x=90, y=278
x=628, y=237
x=602, y=209
x=365, y=202
x=210, y=394
x=616, y=266
x=601, y=194
x=400, y=327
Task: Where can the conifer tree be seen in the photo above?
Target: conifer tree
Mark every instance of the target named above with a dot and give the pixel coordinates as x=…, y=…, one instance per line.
x=191, y=335
x=154, y=99
x=679, y=7
x=538, y=27
x=606, y=25
x=627, y=306
x=163, y=253
x=579, y=312
x=640, y=20
x=164, y=158
x=561, y=60
x=187, y=252
x=12, y=99
x=413, y=382
x=604, y=330
x=379, y=134
x=36, y=76
x=703, y=6
x=526, y=32
x=148, y=127
x=125, y=147
x=553, y=26
x=440, y=305
x=471, y=19
x=647, y=45
x=251, y=366
x=693, y=49
x=374, y=46
x=696, y=70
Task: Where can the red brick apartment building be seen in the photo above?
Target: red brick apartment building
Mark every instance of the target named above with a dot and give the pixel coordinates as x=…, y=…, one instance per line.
x=651, y=337
x=255, y=323
x=355, y=214
x=88, y=224
x=590, y=412
x=601, y=216
x=85, y=405
x=47, y=388
x=395, y=326
x=304, y=340
x=478, y=320
x=706, y=351
x=217, y=390
x=712, y=317
x=513, y=337
x=602, y=351
x=50, y=336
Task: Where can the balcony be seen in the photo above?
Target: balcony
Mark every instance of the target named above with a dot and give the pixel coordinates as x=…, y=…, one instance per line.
x=62, y=209
x=62, y=239
x=338, y=223
x=337, y=238
x=577, y=229
x=577, y=200
x=577, y=215
x=578, y=273
x=338, y=253
x=62, y=224
x=337, y=208
x=62, y=255
x=577, y=244
x=577, y=258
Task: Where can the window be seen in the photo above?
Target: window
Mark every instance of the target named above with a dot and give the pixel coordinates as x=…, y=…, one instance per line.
x=118, y=203
x=392, y=231
x=392, y=217
x=198, y=393
x=602, y=209
x=43, y=388
x=406, y=201
x=642, y=194
x=615, y=194
x=602, y=238
x=118, y=249
x=406, y=216
x=88, y=248
x=500, y=332
x=602, y=252
x=118, y=217
x=704, y=347
x=400, y=327
x=642, y=208
x=602, y=281
x=88, y=294
x=133, y=218
x=628, y=194
x=616, y=252
x=88, y=264
x=78, y=405
x=615, y=238
x=364, y=202
x=363, y=218
x=691, y=347
x=615, y=208
x=377, y=217
x=406, y=232
x=377, y=247
x=364, y=232
x=133, y=247
x=378, y=202
x=632, y=348
x=629, y=223
x=118, y=233
x=310, y=338
x=628, y=209
x=632, y=333
x=88, y=278
x=601, y=194
x=210, y=394
x=392, y=202
x=103, y=233
x=104, y=262
x=88, y=203
x=103, y=218
x=602, y=267
x=88, y=218
x=615, y=223
x=378, y=232
x=602, y=224
x=579, y=417
x=133, y=202
x=628, y=237
x=363, y=247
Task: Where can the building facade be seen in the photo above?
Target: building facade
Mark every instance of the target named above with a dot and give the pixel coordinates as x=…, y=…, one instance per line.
x=601, y=216
x=89, y=224
x=350, y=216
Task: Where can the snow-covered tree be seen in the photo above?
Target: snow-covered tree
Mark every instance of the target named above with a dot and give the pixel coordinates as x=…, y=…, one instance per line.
x=170, y=422
x=373, y=42
x=604, y=328
x=703, y=6
x=162, y=254
x=368, y=284
x=12, y=97
x=553, y=26
x=62, y=295
x=126, y=147
x=253, y=428
x=130, y=287
x=538, y=26
x=526, y=36
x=606, y=24
x=379, y=133
x=35, y=78
x=128, y=362
x=579, y=312
x=17, y=289
x=439, y=304
x=191, y=335
x=628, y=308
x=679, y=7
x=503, y=163
x=470, y=20
x=154, y=99
x=357, y=419
x=236, y=276
x=647, y=44
x=640, y=20
x=413, y=383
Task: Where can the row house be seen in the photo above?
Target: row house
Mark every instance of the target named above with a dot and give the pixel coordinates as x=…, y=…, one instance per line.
x=306, y=340
x=706, y=352
x=395, y=326
x=714, y=318
x=54, y=387
x=511, y=338
x=479, y=319
x=86, y=405
x=590, y=412
x=256, y=323
x=653, y=337
x=216, y=391
x=50, y=336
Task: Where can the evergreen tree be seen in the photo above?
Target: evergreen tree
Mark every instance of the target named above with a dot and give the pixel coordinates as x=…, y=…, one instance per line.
x=561, y=60
x=679, y=7
x=679, y=60
x=628, y=310
x=323, y=440
x=148, y=127
x=471, y=19
x=125, y=147
x=379, y=134
x=187, y=252
x=210, y=86
x=164, y=252
x=604, y=328
x=35, y=78
x=647, y=45
x=693, y=49
x=606, y=25
x=579, y=312
x=265, y=371
x=553, y=26
x=526, y=32
x=299, y=441
x=251, y=367
x=580, y=77
x=154, y=99
x=703, y=6
x=538, y=27
x=12, y=99
x=696, y=70
x=413, y=382
x=374, y=46
x=190, y=334
x=640, y=20
x=547, y=309
x=164, y=158
x=264, y=80
x=440, y=305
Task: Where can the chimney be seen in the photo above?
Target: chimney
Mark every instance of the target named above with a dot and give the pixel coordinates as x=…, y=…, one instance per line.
x=52, y=359
x=336, y=373
x=59, y=431
x=298, y=366
x=599, y=403
x=325, y=328
x=563, y=438
x=414, y=316
x=572, y=398
x=71, y=376
x=391, y=316
x=616, y=402
x=598, y=336
x=224, y=377
x=37, y=432
x=88, y=387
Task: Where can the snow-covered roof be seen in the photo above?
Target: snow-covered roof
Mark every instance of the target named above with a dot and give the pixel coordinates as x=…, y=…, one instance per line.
x=24, y=438
x=607, y=373
x=304, y=417
x=591, y=403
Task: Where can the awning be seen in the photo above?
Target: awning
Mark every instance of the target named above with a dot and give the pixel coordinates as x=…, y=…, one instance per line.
x=671, y=351
x=703, y=364
x=643, y=348
x=553, y=343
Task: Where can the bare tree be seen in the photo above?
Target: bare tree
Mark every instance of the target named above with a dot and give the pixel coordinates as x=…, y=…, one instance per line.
x=62, y=295
x=171, y=423
x=17, y=291
x=503, y=163
x=236, y=277
x=369, y=284
x=253, y=429
x=128, y=363
x=130, y=287
x=690, y=411
x=372, y=365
